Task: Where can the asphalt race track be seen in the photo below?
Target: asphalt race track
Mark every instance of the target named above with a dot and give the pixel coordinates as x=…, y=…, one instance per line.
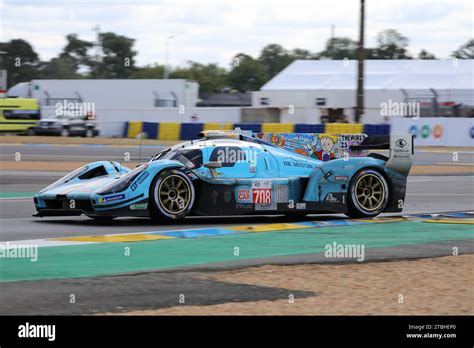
x=149, y=283
x=426, y=194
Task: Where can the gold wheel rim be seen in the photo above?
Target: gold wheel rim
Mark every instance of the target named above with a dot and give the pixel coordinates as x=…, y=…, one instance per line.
x=174, y=194
x=370, y=192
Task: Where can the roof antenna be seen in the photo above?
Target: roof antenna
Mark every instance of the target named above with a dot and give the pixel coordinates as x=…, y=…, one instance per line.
x=140, y=149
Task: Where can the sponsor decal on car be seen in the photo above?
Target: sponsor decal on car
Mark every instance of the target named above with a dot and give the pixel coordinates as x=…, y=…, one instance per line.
x=341, y=178
x=109, y=199
x=262, y=191
x=331, y=199
x=141, y=178
x=269, y=206
x=139, y=206
x=262, y=196
x=301, y=206
x=257, y=184
x=243, y=195
x=401, y=143
x=244, y=206
x=299, y=164
x=401, y=151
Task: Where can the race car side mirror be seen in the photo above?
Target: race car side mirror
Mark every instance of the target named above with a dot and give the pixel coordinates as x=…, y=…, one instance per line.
x=212, y=165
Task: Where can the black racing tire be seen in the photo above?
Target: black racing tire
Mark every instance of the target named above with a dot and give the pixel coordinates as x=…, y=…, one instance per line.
x=171, y=196
x=31, y=131
x=89, y=133
x=368, y=194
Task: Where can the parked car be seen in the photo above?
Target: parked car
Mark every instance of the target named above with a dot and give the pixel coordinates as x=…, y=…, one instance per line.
x=65, y=126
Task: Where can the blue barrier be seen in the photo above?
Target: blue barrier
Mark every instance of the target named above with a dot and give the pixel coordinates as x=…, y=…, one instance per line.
x=151, y=129
x=377, y=129
x=125, y=130
x=309, y=128
x=190, y=131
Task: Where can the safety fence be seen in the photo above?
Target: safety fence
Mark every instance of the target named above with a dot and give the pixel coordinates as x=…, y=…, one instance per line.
x=188, y=131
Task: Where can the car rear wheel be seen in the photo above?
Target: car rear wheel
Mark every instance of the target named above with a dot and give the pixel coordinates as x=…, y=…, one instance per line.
x=89, y=133
x=171, y=196
x=31, y=131
x=368, y=194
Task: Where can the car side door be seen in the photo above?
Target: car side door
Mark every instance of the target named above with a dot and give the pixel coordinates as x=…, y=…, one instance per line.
x=236, y=162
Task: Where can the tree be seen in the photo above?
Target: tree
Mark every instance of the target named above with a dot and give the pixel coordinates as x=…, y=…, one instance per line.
x=339, y=48
x=391, y=45
x=370, y=53
x=425, y=55
x=58, y=68
x=274, y=59
x=118, y=59
x=466, y=51
x=211, y=77
x=149, y=72
x=76, y=51
x=20, y=60
x=302, y=54
x=247, y=74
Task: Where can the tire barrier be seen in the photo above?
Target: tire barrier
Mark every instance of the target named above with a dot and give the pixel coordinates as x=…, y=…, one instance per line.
x=189, y=131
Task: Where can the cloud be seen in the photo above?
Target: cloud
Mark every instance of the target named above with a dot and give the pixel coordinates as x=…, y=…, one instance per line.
x=214, y=31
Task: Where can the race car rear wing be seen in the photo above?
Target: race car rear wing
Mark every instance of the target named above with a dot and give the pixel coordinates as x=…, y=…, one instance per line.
x=401, y=149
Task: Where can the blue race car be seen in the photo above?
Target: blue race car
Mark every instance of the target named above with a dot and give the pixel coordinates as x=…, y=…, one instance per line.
x=241, y=173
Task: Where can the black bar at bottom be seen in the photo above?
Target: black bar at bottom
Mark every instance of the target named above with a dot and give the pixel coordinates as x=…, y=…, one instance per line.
x=104, y=330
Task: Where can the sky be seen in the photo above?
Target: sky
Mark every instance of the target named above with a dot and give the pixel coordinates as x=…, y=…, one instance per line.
x=213, y=31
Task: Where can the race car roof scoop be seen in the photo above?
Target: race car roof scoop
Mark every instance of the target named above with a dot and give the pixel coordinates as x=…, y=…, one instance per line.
x=229, y=134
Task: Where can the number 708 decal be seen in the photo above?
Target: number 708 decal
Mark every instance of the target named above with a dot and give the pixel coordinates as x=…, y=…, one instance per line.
x=262, y=195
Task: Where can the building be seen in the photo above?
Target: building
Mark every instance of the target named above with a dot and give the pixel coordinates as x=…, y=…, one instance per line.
x=227, y=99
x=311, y=91
x=111, y=93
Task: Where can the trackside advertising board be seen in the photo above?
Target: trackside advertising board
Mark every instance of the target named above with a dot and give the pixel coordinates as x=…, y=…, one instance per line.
x=436, y=131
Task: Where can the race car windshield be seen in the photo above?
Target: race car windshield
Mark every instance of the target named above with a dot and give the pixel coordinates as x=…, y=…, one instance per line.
x=190, y=158
x=161, y=154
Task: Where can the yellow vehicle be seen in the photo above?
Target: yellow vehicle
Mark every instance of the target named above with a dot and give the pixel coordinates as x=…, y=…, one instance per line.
x=19, y=115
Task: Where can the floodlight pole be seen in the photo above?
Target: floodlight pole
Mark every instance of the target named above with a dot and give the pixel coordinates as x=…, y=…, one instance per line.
x=360, y=66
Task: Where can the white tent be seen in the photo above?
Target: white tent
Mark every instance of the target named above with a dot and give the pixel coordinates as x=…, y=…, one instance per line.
x=310, y=86
x=379, y=74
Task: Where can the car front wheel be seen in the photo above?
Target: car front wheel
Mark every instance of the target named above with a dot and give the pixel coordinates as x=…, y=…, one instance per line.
x=171, y=196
